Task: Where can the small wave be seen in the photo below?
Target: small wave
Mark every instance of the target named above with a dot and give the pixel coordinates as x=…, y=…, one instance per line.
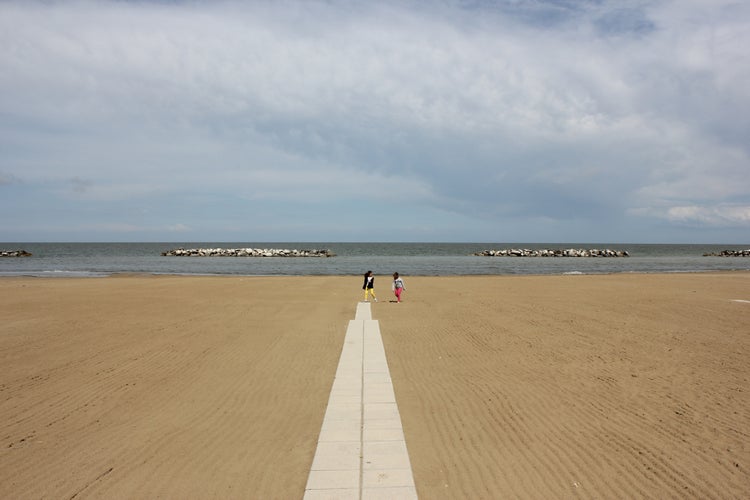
x=55, y=273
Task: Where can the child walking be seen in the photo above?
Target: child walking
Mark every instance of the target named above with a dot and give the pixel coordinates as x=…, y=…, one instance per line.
x=397, y=286
x=369, y=286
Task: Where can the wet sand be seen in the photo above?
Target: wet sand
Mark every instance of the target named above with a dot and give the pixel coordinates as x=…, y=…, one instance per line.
x=612, y=386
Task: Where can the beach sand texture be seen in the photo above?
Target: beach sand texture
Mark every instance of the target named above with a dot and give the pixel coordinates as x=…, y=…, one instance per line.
x=611, y=386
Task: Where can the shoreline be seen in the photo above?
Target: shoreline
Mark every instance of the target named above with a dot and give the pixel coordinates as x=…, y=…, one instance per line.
x=97, y=274
x=607, y=385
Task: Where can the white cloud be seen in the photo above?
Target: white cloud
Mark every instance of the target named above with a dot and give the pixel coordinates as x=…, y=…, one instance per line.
x=179, y=228
x=720, y=215
x=7, y=179
x=499, y=111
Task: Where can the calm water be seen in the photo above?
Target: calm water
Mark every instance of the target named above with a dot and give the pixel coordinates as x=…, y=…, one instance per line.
x=409, y=259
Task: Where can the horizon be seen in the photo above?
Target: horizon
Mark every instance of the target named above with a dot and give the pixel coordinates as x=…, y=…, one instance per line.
x=155, y=242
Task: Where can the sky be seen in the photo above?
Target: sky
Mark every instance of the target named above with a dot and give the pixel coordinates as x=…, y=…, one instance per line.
x=426, y=121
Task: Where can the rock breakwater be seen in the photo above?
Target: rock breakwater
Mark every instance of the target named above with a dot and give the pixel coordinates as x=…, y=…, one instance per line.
x=729, y=253
x=570, y=252
x=14, y=253
x=246, y=252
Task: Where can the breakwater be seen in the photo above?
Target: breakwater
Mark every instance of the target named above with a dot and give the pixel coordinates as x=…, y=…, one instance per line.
x=729, y=253
x=353, y=258
x=246, y=252
x=569, y=252
x=14, y=253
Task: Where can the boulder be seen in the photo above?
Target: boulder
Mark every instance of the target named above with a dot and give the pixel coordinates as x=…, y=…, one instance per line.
x=14, y=253
x=245, y=252
x=568, y=252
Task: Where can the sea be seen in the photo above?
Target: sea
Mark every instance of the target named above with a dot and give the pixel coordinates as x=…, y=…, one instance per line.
x=92, y=260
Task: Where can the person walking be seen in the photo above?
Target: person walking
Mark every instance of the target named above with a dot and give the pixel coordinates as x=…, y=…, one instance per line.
x=397, y=286
x=369, y=286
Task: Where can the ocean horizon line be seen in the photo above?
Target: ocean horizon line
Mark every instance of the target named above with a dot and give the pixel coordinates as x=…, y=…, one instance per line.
x=467, y=242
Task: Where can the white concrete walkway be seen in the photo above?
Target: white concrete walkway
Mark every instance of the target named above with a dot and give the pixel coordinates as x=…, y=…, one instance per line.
x=361, y=450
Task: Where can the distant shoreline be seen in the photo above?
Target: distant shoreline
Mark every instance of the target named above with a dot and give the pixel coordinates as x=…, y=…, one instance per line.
x=55, y=276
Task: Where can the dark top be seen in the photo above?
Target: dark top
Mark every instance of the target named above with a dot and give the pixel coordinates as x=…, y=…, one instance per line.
x=369, y=282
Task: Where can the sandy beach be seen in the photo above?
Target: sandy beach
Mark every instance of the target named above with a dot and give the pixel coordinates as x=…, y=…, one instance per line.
x=606, y=386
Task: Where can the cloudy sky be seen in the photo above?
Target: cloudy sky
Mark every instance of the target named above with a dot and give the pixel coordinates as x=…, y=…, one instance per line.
x=492, y=121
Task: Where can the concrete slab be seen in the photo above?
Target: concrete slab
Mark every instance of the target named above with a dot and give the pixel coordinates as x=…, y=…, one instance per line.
x=382, y=423
x=337, y=456
x=333, y=494
x=333, y=479
x=390, y=434
x=361, y=451
x=363, y=311
x=399, y=493
x=385, y=455
x=387, y=478
x=341, y=435
x=380, y=411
